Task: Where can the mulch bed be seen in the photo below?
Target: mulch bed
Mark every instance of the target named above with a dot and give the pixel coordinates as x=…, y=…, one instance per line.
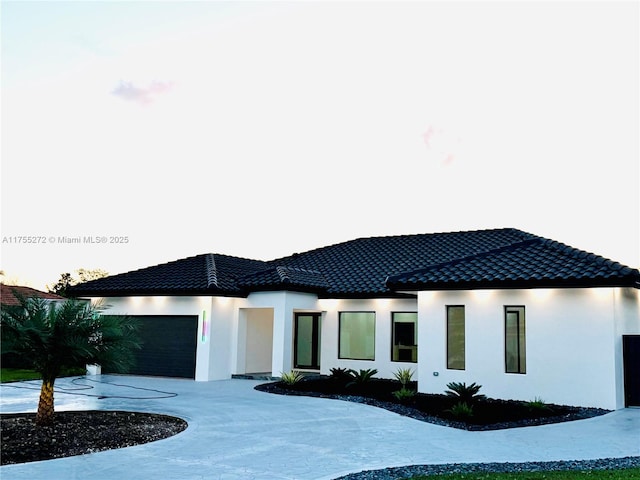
x=488, y=414
x=78, y=433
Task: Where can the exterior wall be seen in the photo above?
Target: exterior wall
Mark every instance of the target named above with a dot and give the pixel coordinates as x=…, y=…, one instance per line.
x=283, y=304
x=255, y=340
x=383, y=308
x=572, y=355
x=626, y=302
x=217, y=347
x=573, y=338
x=214, y=325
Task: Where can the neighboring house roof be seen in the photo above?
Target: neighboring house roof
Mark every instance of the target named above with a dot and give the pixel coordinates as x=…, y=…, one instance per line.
x=9, y=294
x=381, y=267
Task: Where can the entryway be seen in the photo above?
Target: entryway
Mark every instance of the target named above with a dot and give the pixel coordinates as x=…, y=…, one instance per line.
x=255, y=341
x=306, y=343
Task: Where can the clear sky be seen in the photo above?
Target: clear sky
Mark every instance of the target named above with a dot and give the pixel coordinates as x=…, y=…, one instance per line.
x=264, y=129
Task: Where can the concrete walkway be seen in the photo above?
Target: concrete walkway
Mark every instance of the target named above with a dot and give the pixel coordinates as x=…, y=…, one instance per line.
x=238, y=433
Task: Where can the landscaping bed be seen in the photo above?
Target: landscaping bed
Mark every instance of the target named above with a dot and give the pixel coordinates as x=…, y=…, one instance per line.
x=487, y=413
x=78, y=433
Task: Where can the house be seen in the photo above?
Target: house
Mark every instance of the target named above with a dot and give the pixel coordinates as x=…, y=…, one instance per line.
x=9, y=295
x=522, y=315
x=10, y=298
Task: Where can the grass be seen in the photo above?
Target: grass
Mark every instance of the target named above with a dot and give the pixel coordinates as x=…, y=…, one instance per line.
x=624, y=474
x=21, y=374
x=17, y=375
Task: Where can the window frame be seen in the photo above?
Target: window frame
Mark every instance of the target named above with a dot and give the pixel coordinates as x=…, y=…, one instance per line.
x=340, y=314
x=415, y=335
x=464, y=337
x=521, y=340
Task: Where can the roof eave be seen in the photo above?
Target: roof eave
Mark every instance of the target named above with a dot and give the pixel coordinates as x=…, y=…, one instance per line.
x=367, y=295
x=286, y=287
x=514, y=284
x=154, y=292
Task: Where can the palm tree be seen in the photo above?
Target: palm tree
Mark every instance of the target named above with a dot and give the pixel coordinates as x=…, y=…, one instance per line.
x=66, y=335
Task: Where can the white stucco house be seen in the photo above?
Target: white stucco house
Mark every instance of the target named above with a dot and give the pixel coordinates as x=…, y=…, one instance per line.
x=522, y=315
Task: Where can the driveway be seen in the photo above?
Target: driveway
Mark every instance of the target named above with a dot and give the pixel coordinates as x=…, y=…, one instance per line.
x=236, y=432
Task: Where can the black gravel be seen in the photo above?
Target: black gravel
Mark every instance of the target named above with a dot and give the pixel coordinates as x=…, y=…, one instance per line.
x=397, y=473
x=567, y=413
x=78, y=433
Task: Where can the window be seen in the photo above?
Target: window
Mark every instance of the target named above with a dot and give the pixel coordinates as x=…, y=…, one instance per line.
x=455, y=337
x=357, y=335
x=404, y=341
x=514, y=340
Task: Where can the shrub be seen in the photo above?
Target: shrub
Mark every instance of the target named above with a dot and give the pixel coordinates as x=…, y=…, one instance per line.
x=463, y=393
x=340, y=374
x=361, y=377
x=291, y=378
x=537, y=405
x=404, y=394
x=404, y=376
x=461, y=410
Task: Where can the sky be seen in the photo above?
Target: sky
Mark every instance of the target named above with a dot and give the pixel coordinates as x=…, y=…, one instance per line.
x=152, y=131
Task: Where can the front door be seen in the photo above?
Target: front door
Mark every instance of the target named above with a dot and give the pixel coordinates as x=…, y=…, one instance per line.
x=631, y=356
x=306, y=351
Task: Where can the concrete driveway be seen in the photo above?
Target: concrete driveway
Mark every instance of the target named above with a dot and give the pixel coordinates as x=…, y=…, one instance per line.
x=238, y=433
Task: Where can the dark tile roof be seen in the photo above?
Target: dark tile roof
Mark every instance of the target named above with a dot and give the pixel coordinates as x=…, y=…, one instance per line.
x=8, y=294
x=381, y=266
x=359, y=268
x=205, y=274
x=534, y=263
x=280, y=276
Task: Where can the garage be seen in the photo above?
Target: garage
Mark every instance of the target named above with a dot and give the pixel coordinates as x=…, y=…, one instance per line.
x=168, y=346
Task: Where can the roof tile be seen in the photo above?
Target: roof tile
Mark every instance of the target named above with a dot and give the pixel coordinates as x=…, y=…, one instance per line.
x=381, y=266
x=9, y=294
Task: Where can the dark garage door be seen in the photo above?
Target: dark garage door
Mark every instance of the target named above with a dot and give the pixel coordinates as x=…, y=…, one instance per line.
x=169, y=346
x=631, y=355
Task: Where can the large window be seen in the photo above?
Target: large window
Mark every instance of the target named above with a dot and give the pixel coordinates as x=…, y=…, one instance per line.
x=404, y=343
x=357, y=337
x=514, y=340
x=455, y=337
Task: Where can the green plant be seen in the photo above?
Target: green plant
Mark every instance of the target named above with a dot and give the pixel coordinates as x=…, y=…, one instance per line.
x=291, y=378
x=537, y=405
x=361, y=377
x=464, y=393
x=461, y=410
x=404, y=394
x=18, y=375
x=22, y=374
x=63, y=336
x=404, y=376
x=340, y=374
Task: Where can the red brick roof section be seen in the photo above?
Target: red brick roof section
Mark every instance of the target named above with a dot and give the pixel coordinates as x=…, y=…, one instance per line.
x=8, y=297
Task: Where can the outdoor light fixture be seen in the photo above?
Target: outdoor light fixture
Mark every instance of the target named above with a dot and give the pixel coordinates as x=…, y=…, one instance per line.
x=203, y=338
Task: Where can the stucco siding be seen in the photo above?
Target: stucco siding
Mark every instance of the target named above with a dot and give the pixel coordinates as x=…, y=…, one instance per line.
x=570, y=338
x=216, y=344
x=167, y=305
x=383, y=309
x=627, y=322
x=284, y=304
x=573, y=338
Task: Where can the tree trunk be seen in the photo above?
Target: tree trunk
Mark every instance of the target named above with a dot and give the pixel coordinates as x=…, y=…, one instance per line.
x=45, y=404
